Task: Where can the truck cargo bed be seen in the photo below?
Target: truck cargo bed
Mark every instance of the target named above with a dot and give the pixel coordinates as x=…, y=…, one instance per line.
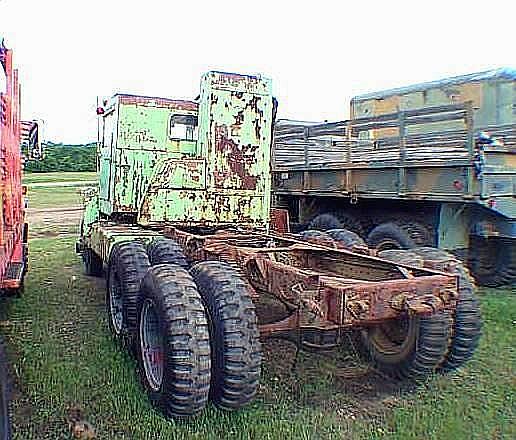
x=451, y=164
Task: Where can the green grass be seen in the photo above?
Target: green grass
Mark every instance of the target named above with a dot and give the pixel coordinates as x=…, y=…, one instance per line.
x=54, y=197
x=66, y=361
x=29, y=178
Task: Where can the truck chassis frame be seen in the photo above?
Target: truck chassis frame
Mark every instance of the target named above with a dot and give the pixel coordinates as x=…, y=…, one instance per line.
x=322, y=288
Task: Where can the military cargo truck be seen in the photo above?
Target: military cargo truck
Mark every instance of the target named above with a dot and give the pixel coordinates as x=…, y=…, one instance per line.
x=427, y=165
x=181, y=227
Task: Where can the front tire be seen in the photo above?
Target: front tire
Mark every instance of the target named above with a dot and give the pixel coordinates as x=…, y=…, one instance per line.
x=235, y=345
x=323, y=222
x=317, y=237
x=92, y=263
x=173, y=342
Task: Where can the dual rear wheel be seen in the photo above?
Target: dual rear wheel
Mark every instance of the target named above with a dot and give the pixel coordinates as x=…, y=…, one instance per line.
x=442, y=342
x=414, y=347
x=194, y=332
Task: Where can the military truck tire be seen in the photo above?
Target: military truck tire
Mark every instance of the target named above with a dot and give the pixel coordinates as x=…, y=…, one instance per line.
x=235, y=345
x=166, y=250
x=466, y=320
x=467, y=330
x=5, y=424
x=353, y=223
x=493, y=263
x=445, y=258
x=323, y=222
x=317, y=237
x=127, y=266
x=114, y=304
x=346, y=238
x=410, y=348
x=398, y=236
x=92, y=263
x=173, y=342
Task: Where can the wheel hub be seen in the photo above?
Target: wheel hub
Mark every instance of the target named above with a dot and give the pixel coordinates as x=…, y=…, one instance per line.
x=115, y=303
x=151, y=345
x=392, y=337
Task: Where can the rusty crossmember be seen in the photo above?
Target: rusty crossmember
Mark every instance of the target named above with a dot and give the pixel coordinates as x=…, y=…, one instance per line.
x=295, y=274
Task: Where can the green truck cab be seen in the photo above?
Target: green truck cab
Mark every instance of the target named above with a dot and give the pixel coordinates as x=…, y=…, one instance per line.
x=204, y=163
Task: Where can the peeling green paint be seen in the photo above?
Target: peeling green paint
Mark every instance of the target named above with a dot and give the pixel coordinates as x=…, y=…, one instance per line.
x=153, y=167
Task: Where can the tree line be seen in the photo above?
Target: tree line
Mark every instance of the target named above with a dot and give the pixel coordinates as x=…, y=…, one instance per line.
x=62, y=157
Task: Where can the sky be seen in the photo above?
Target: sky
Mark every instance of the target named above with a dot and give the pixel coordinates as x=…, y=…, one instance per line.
x=319, y=54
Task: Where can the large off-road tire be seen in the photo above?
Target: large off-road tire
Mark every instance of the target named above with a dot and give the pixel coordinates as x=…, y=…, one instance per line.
x=235, y=346
x=445, y=261
x=317, y=237
x=173, y=342
x=353, y=223
x=128, y=264
x=466, y=319
x=5, y=424
x=398, y=236
x=346, y=238
x=493, y=261
x=337, y=220
x=323, y=222
x=92, y=263
x=408, y=348
x=412, y=347
x=166, y=250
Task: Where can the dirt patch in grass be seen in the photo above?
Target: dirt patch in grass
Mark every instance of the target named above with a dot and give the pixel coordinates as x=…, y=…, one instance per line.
x=338, y=381
x=54, y=222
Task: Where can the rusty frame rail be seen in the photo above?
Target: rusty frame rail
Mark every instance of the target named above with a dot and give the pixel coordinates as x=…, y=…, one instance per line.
x=322, y=288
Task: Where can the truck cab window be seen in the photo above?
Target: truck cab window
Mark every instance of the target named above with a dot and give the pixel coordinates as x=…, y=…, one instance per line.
x=183, y=127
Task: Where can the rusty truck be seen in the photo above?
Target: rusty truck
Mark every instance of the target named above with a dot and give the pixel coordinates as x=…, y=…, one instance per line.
x=432, y=164
x=19, y=141
x=199, y=269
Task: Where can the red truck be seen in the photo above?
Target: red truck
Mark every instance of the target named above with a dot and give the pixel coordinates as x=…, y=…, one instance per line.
x=14, y=134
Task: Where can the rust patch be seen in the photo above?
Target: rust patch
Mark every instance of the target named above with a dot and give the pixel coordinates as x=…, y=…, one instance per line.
x=239, y=159
x=174, y=104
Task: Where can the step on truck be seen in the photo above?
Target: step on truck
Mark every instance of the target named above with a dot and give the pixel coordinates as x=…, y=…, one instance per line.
x=199, y=270
x=432, y=164
x=19, y=141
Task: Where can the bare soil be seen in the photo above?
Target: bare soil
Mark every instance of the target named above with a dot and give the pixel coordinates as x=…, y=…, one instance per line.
x=52, y=222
